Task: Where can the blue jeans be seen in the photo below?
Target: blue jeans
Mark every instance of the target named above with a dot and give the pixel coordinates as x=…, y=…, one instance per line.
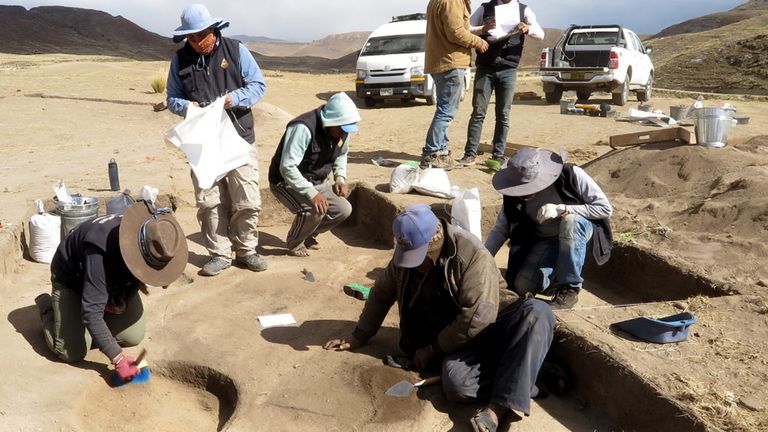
x=448, y=91
x=557, y=260
x=488, y=79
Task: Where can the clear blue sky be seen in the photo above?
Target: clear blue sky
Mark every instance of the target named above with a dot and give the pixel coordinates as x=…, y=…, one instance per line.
x=305, y=20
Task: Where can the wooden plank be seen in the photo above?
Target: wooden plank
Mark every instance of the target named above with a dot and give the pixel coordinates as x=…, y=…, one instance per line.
x=509, y=149
x=652, y=136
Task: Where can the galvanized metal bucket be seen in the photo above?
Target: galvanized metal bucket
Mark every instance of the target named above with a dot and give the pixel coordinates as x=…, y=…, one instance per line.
x=80, y=210
x=713, y=126
x=678, y=112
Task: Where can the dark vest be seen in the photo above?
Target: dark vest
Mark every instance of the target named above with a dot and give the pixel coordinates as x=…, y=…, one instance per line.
x=219, y=76
x=319, y=157
x=522, y=230
x=503, y=54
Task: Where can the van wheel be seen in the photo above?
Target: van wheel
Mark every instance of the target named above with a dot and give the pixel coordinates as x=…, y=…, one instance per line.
x=644, y=95
x=622, y=96
x=432, y=97
x=554, y=96
x=370, y=102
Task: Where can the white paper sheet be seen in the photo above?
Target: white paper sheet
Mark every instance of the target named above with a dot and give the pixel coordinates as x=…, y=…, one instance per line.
x=507, y=18
x=279, y=320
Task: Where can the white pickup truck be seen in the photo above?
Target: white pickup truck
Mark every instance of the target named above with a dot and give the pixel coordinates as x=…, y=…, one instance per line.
x=597, y=58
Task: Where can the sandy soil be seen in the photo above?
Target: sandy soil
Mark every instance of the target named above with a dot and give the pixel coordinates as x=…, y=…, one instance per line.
x=66, y=116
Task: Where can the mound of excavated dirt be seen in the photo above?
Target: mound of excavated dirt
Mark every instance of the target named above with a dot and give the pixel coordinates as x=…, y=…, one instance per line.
x=709, y=205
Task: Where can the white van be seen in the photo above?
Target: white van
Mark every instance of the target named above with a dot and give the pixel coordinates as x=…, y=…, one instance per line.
x=391, y=63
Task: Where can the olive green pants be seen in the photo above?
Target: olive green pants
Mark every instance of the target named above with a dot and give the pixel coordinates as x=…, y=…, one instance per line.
x=66, y=334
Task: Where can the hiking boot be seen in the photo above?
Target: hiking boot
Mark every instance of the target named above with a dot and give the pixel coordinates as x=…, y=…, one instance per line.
x=215, y=266
x=564, y=298
x=427, y=160
x=252, y=262
x=44, y=303
x=467, y=160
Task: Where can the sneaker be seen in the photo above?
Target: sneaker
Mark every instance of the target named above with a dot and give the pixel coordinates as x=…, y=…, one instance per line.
x=445, y=162
x=564, y=298
x=252, y=262
x=427, y=160
x=467, y=160
x=215, y=266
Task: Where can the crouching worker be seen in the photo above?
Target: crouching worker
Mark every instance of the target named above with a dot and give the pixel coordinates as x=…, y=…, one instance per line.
x=551, y=211
x=315, y=144
x=96, y=274
x=456, y=314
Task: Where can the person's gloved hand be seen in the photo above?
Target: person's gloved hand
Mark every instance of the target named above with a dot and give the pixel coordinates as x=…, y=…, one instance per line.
x=550, y=211
x=126, y=367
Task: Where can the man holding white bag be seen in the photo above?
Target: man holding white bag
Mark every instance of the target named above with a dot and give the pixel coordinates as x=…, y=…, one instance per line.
x=206, y=68
x=551, y=211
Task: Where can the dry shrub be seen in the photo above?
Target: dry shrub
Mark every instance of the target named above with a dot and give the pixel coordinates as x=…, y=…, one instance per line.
x=158, y=83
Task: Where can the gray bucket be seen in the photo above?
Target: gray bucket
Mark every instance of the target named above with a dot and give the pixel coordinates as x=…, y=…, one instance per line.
x=712, y=126
x=678, y=112
x=72, y=215
x=566, y=105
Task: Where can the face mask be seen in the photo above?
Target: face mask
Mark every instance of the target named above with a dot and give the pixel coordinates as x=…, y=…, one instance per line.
x=205, y=45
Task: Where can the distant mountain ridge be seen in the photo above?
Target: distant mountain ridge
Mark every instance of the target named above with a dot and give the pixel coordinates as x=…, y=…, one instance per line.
x=59, y=29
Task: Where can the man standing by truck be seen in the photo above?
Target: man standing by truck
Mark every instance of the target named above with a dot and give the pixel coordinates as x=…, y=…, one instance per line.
x=497, y=69
x=448, y=47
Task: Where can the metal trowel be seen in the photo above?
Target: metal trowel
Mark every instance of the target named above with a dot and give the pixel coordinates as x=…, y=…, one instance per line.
x=404, y=388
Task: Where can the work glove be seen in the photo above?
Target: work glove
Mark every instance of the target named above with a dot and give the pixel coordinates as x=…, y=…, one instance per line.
x=550, y=211
x=126, y=367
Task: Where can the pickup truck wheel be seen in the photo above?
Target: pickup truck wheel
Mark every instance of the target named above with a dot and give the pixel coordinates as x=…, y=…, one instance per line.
x=370, y=102
x=554, y=96
x=644, y=95
x=583, y=95
x=622, y=97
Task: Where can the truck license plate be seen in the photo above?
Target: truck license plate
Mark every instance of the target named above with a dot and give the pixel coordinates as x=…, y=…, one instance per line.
x=577, y=75
x=385, y=92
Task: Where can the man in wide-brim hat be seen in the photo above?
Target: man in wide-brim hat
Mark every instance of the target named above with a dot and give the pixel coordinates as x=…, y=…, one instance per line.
x=207, y=67
x=96, y=274
x=552, y=211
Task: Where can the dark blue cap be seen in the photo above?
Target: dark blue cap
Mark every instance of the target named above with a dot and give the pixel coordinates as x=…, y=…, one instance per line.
x=413, y=229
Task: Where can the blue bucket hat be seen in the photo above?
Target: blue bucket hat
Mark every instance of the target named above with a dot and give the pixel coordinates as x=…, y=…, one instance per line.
x=413, y=229
x=196, y=18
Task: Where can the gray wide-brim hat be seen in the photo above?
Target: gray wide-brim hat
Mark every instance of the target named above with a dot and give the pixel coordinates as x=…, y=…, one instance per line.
x=196, y=18
x=528, y=171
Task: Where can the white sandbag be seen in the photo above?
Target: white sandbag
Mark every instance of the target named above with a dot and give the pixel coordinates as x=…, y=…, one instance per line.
x=209, y=140
x=466, y=210
x=44, y=234
x=433, y=182
x=402, y=179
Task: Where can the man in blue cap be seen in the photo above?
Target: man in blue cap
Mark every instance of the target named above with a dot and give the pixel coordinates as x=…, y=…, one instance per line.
x=457, y=316
x=314, y=146
x=206, y=68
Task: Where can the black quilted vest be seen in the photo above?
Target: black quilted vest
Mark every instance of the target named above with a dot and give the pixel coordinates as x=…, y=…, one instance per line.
x=505, y=54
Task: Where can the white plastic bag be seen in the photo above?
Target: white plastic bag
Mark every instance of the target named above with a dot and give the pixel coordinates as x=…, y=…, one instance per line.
x=209, y=140
x=402, y=179
x=44, y=234
x=466, y=210
x=434, y=182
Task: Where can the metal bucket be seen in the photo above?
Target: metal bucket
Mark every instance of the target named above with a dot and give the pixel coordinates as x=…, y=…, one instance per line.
x=566, y=105
x=80, y=210
x=678, y=112
x=712, y=126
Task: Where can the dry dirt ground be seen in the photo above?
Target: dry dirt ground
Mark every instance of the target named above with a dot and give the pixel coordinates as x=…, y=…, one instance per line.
x=700, y=209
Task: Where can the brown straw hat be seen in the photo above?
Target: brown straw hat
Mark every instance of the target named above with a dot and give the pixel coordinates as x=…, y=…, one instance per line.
x=528, y=171
x=153, y=244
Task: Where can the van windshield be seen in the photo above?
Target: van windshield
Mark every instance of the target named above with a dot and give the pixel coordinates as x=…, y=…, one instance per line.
x=401, y=44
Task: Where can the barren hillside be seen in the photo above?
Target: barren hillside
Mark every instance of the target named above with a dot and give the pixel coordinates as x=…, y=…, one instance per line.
x=56, y=29
x=331, y=47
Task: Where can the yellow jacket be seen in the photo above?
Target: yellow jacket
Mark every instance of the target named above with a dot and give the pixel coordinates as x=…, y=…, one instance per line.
x=448, y=43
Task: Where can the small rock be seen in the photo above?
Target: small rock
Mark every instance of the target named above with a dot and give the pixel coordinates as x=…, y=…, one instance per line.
x=697, y=334
x=652, y=206
x=680, y=305
x=751, y=404
x=762, y=283
x=296, y=366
